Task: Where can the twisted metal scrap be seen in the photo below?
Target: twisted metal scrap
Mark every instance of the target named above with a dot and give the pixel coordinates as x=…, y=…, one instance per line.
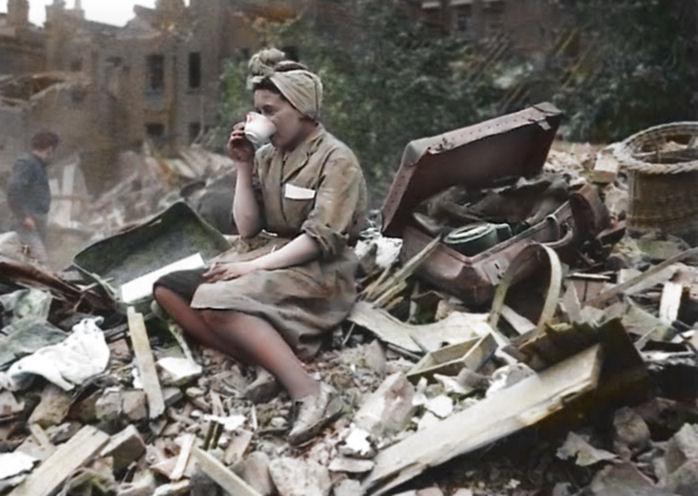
x=80, y=299
x=628, y=150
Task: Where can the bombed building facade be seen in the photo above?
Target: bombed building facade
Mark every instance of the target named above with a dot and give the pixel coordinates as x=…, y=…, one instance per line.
x=158, y=78
x=519, y=318
x=530, y=26
x=108, y=88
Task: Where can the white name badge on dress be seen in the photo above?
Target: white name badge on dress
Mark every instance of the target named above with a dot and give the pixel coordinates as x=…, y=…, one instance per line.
x=297, y=193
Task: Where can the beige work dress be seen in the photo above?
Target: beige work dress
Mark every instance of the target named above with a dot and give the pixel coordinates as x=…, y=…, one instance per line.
x=317, y=189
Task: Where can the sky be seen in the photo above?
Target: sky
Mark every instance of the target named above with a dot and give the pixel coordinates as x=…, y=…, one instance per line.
x=116, y=12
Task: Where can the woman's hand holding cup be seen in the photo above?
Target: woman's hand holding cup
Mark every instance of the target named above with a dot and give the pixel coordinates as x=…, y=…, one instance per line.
x=256, y=131
x=239, y=147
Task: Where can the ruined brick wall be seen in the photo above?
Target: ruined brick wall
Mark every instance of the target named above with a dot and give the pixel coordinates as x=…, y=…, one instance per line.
x=20, y=56
x=22, y=47
x=83, y=118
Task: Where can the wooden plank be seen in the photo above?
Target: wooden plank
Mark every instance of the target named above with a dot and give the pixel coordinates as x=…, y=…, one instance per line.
x=80, y=196
x=571, y=305
x=145, y=363
x=41, y=436
x=217, y=407
x=58, y=206
x=222, y=476
x=63, y=195
x=377, y=293
x=670, y=302
x=455, y=328
x=183, y=459
x=239, y=443
x=606, y=167
x=493, y=418
x=72, y=455
x=68, y=189
x=627, y=285
x=561, y=341
x=451, y=359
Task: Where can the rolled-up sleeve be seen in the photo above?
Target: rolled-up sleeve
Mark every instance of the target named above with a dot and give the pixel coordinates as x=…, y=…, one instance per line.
x=339, y=209
x=260, y=172
x=257, y=182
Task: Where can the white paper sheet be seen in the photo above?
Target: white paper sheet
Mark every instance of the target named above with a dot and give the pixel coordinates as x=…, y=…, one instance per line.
x=143, y=286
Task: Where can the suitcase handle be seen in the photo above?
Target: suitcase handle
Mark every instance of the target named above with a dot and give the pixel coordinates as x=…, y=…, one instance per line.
x=564, y=240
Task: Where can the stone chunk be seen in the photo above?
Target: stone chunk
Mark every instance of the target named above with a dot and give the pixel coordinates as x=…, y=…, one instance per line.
x=374, y=358
x=53, y=407
x=143, y=485
x=108, y=407
x=135, y=405
x=294, y=477
x=179, y=371
x=348, y=487
x=681, y=448
x=631, y=432
x=351, y=465
x=9, y=405
x=623, y=479
x=263, y=389
x=389, y=408
x=684, y=480
x=125, y=447
x=255, y=471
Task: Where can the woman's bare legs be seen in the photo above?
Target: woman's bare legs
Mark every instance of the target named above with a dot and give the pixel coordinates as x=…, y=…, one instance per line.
x=244, y=337
x=258, y=339
x=190, y=320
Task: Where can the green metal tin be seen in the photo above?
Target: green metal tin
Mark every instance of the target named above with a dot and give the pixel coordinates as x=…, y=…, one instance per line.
x=174, y=234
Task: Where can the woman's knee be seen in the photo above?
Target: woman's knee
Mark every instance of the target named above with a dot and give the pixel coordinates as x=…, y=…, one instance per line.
x=163, y=292
x=217, y=319
x=212, y=318
x=160, y=293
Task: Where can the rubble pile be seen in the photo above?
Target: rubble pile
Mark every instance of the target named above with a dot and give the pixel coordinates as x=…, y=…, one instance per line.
x=510, y=338
x=153, y=182
x=141, y=184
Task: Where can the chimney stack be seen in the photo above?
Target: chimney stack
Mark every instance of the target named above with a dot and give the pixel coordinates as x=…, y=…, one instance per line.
x=18, y=13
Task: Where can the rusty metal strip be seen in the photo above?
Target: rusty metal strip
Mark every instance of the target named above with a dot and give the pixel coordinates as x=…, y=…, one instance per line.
x=30, y=275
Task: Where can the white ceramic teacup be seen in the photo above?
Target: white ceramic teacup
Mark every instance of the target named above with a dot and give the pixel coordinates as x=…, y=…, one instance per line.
x=258, y=129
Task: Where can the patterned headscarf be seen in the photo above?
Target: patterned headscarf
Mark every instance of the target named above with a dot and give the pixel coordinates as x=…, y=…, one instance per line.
x=302, y=88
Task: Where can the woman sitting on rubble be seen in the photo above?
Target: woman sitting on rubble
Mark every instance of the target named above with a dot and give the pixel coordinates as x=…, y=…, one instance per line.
x=305, y=187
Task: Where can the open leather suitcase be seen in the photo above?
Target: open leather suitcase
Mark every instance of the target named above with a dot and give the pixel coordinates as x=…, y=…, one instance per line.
x=481, y=156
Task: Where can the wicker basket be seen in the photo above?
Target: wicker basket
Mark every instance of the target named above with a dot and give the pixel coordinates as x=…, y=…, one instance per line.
x=663, y=166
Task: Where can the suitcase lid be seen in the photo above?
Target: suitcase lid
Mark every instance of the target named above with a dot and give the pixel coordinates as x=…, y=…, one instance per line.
x=511, y=146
